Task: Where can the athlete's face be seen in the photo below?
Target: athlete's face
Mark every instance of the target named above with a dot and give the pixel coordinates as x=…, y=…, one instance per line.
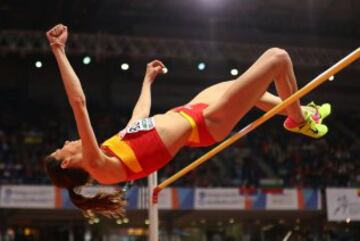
x=72, y=151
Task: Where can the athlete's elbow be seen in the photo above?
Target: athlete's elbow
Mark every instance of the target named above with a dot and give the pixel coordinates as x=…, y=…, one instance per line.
x=78, y=101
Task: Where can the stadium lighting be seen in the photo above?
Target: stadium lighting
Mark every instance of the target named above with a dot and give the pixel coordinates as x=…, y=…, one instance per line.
x=234, y=72
x=126, y=220
x=38, y=64
x=211, y=3
x=201, y=66
x=125, y=66
x=147, y=222
x=231, y=221
x=119, y=221
x=331, y=78
x=86, y=60
x=348, y=220
x=165, y=70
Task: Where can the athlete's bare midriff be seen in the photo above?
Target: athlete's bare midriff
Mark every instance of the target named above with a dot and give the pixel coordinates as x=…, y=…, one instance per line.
x=173, y=130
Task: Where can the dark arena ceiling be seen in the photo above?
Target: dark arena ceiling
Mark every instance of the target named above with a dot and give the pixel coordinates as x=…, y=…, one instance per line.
x=181, y=18
x=316, y=33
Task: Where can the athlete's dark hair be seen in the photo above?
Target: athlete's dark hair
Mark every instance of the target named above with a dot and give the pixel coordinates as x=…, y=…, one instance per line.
x=108, y=204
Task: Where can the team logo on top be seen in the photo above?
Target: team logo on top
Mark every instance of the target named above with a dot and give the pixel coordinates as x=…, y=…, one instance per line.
x=140, y=125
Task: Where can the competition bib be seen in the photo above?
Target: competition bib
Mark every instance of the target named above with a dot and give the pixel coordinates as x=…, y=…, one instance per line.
x=140, y=125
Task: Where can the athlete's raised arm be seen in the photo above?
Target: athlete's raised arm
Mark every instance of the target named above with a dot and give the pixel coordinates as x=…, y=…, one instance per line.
x=143, y=104
x=57, y=37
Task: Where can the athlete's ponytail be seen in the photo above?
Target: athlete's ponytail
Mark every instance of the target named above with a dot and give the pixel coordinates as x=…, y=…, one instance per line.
x=107, y=204
x=110, y=205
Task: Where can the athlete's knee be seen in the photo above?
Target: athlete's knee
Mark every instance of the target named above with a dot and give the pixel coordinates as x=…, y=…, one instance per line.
x=278, y=57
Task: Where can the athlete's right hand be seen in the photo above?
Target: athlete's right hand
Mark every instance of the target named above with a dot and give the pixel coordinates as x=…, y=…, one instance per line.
x=57, y=36
x=153, y=69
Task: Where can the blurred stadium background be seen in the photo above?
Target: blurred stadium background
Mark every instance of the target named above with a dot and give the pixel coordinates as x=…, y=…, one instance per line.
x=269, y=186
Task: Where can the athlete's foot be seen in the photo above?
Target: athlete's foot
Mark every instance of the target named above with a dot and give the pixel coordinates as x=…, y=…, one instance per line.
x=319, y=112
x=314, y=117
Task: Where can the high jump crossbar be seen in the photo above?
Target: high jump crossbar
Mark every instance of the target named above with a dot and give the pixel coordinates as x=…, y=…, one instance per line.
x=347, y=60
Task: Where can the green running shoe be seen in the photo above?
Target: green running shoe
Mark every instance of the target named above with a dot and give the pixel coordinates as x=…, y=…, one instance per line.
x=313, y=126
x=322, y=111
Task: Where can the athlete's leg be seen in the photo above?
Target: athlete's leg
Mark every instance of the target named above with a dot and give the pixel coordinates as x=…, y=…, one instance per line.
x=212, y=93
x=286, y=85
x=245, y=92
x=318, y=112
x=267, y=101
x=215, y=92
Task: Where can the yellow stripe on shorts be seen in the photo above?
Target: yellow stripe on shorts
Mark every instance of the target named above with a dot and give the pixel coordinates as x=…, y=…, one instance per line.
x=124, y=152
x=194, y=136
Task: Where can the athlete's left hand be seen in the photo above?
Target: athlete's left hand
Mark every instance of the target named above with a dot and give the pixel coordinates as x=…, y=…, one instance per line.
x=153, y=69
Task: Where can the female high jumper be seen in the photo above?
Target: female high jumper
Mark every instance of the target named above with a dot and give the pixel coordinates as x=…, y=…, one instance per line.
x=146, y=144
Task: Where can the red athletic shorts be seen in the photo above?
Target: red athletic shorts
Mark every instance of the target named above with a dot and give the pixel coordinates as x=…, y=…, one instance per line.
x=200, y=135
